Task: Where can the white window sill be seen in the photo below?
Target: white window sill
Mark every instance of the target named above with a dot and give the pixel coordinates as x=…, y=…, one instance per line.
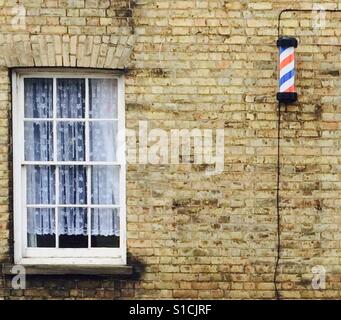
x=96, y=270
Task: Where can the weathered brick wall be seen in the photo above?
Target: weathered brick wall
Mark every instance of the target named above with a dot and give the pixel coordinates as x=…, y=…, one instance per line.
x=201, y=64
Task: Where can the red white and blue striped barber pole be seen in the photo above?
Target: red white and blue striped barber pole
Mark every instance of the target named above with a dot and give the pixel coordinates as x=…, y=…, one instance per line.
x=287, y=91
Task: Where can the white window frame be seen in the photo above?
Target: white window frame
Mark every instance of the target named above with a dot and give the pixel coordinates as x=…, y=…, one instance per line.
x=62, y=256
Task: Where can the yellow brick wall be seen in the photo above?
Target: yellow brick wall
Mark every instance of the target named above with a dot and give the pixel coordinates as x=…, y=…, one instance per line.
x=201, y=64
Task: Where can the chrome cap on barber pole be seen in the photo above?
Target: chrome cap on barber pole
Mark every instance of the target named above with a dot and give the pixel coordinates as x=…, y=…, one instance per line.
x=287, y=90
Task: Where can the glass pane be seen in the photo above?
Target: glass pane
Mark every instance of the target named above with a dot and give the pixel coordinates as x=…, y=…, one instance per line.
x=38, y=140
x=72, y=185
x=103, y=98
x=105, y=228
x=104, y=185
x=41, y=227
x=71, y=141
x=72, y=228
x=38, y=97
x=103, y=140
x=70, y=98
x=40, y=185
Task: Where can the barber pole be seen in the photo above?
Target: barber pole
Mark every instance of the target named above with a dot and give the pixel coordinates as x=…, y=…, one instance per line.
x=287, y=91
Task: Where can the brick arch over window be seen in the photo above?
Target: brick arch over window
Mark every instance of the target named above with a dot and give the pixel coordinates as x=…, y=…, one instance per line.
x=90, y=51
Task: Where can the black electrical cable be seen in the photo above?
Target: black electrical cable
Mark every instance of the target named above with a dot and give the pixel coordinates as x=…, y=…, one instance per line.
x=277, y=293
x=300, y=10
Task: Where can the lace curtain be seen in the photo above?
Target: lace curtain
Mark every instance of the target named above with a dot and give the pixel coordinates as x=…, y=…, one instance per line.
x=71, y=146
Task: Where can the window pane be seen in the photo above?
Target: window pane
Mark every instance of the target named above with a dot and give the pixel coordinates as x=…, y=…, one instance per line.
x=105, y=227
x=40, y=185
x=71, y=141
x=105, y=185
x=72, y=228
x=41, y=227
x=72, y=185
x=103, y=98
x=103, y=140
x=70, y=98
x=38, y=97
x=38, y=140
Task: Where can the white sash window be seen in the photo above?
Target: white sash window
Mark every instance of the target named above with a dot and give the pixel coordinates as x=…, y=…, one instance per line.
x=69, y=168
